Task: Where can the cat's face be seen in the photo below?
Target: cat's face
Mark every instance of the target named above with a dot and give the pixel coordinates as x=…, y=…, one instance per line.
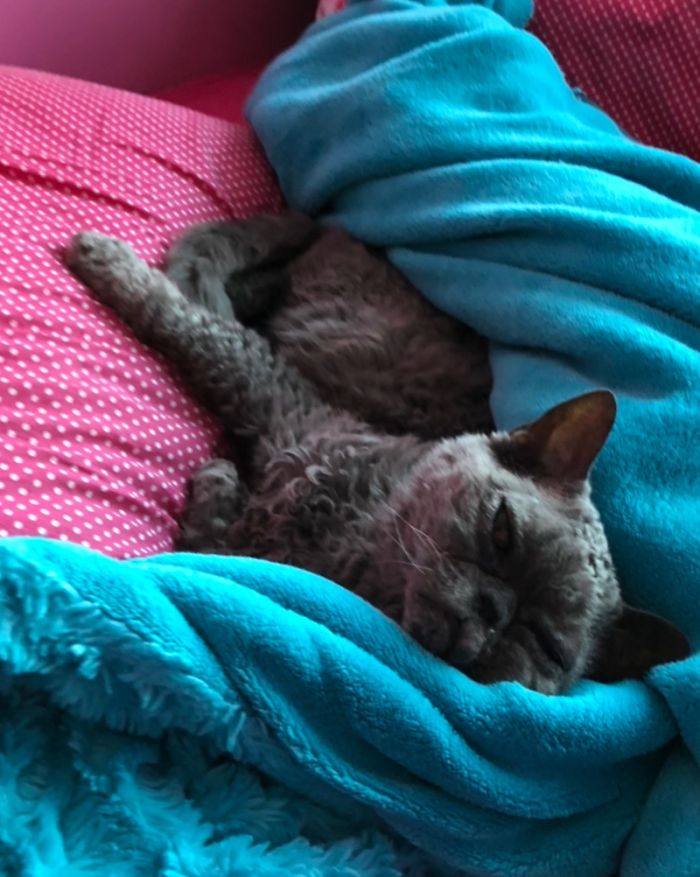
x=506, y=569
x=512, y=580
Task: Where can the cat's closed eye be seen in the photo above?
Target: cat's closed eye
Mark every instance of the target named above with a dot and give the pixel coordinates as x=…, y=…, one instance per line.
x=502, y=531
x=496, y=540
x=551, y=647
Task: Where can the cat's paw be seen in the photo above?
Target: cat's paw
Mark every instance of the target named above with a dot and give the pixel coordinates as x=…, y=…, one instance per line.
x=109, y=267
x=216, y=500
x=215, y=484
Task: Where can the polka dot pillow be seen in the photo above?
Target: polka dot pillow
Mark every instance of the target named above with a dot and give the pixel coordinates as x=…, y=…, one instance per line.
x=637, y=59
x=98, y=435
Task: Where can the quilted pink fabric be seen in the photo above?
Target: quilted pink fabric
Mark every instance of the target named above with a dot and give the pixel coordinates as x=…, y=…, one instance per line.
x=98, y=434
x=639, y=60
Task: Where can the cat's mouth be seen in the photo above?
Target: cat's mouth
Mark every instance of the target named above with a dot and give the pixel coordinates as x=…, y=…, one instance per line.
x=485, y=647
x=460, y=641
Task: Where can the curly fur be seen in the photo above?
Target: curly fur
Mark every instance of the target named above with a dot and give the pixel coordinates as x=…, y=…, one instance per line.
x=485, y=547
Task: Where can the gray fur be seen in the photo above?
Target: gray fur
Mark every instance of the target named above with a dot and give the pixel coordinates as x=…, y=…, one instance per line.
x=349, y=322
x=484, y=547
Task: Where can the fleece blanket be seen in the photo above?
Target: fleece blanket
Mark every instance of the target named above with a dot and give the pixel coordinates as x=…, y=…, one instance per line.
x=446, y=133
x=188, y=716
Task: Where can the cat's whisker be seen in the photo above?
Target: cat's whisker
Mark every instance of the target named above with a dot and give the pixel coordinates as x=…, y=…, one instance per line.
x=423, y=570
x=397, y=540
x=427, y=539
x=410, y=561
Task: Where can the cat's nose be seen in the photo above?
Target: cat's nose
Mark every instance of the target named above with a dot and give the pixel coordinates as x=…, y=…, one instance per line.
x=495, y=608
x=487, y=617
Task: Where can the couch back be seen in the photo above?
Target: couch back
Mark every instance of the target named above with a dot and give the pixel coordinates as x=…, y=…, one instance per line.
x=147, y=45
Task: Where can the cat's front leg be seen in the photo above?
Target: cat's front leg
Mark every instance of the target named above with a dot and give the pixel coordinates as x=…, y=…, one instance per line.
x=240, y=267
x=231, y=368
x=122, y=280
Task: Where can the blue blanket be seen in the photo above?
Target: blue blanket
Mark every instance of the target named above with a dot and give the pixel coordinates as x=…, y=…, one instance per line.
x=446, y=133
x=188, y=716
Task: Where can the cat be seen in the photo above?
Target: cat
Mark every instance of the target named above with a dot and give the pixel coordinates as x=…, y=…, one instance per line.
x=485, y=547
x=351, y=323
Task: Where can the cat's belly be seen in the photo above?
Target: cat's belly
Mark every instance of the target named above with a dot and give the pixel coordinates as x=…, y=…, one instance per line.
x=358, y=330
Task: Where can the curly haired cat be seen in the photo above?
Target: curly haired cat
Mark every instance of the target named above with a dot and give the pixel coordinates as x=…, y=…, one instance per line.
x=362, y=402
x=349, y=322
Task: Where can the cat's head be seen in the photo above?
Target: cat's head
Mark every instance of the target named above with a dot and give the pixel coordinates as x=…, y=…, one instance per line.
x=506, y=571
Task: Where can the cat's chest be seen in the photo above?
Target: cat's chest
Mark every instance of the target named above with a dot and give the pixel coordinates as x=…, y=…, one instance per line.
x=320, y=490
x=318, y=505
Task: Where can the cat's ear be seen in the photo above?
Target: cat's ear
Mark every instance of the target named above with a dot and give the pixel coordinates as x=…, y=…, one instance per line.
x=565, y=441
x=635, y=643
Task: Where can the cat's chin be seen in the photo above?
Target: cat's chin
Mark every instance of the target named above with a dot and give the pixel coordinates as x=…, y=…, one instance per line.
x=485, y=674
x=484, y=660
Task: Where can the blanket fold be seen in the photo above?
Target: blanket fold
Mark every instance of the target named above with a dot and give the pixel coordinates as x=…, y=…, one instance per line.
x=274, y=714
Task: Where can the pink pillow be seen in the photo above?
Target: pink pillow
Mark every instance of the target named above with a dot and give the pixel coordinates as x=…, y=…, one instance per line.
x=223, y=96
x=328, y=7
x=98, y=434
x=634, y=59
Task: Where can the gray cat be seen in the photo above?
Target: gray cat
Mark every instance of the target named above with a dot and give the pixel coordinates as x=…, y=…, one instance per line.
x=486, y=547
x=349, y=322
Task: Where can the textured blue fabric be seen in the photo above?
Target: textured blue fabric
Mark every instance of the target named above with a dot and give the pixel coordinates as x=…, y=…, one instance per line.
x=122, y=684
x=446, y=133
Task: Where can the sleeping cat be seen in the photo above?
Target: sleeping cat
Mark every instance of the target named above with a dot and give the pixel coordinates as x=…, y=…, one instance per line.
x=485, y=547
x=350, y=322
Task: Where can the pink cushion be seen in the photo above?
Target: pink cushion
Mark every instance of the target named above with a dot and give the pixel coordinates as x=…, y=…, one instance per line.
x=98, y=435
x=221, y=96
x=635, y=59
x=328, y=7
